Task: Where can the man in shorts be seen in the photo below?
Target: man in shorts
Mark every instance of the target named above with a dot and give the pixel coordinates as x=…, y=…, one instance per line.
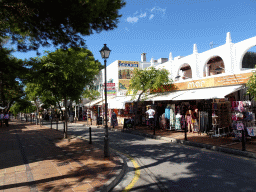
x=151, y=116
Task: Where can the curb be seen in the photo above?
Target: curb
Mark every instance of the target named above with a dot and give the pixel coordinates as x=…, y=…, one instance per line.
x=115, y=179
x=199, y=145
x=111, y=183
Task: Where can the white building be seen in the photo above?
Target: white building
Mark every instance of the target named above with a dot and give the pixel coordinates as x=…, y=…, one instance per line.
x=198, y=70
x=219, y=61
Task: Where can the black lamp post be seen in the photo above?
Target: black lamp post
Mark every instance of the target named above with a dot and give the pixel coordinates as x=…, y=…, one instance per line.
x=105, y=51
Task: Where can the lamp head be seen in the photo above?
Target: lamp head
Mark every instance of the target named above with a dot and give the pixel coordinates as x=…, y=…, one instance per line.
x=105, y=51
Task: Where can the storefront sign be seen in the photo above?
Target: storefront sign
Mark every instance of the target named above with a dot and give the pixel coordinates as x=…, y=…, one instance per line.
x=125, y=72
x=236, y=79
x=111, y=89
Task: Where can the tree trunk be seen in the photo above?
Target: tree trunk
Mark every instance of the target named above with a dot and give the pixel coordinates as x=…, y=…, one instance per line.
x=135, y=109
x=66, y=119
x=59, y=107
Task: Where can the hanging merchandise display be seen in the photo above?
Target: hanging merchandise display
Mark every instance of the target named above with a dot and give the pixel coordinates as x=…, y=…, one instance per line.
x=178, y=121
x=195, y=116
x=243, y=119
x=172, y=116
x=203, y=121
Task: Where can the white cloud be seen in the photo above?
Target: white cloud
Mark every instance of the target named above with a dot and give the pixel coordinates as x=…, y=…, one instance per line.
x=151, y=16
x=143, y=15
x=155, y=11
x=158, y=9
x=132, y=19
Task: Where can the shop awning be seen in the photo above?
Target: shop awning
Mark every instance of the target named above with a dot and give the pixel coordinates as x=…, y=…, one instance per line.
x=165, y=96
x=117, y=102
x=208, y=93
x=94, y=102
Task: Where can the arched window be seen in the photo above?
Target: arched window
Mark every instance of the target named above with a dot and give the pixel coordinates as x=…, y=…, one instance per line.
x=214, y=66
x=186, y=72
x=249, y=59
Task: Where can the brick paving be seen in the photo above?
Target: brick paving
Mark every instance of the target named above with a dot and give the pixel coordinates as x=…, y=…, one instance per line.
x=34, y=158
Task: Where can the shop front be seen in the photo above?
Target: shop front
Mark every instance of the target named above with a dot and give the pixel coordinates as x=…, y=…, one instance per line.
x=222, y=110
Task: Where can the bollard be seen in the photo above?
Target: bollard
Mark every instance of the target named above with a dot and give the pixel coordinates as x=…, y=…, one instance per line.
x=63, y=127
x=186, y=138
x=51, y=123
x=243, y=141
x=57, y=124
x=90, y=135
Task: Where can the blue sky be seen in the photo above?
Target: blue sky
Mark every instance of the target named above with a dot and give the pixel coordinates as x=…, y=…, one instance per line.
x=160, y=27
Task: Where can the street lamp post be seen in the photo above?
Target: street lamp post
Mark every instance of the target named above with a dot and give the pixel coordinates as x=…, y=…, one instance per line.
x=105, y=51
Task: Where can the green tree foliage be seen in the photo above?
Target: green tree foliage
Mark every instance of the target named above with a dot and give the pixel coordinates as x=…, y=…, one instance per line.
x=91, y=94
x=31, y=23
x=12, y=72
x=65, y=73
x=251, y=85
x=22, y=105
x=39, y=97
x=145, y=80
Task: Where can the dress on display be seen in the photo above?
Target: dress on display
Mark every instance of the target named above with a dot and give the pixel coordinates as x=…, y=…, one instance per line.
x=172, y=116
x=178, y=122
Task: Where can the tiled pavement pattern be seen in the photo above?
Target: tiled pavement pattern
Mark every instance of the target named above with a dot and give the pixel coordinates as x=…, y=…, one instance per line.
x=225, y=142
x=34, y=158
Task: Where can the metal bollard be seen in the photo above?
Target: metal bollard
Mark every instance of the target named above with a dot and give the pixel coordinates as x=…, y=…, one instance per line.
x=243, y=140
x=63, y=127
x=90, y=135
x=51, y=123
x=56, y=124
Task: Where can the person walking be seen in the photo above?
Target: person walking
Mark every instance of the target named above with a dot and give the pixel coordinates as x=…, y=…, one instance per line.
x=6, y=119
x=114, y=119
x=151, y=113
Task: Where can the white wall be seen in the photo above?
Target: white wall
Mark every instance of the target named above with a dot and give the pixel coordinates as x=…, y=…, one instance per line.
x=112, y=73
x=231, y=53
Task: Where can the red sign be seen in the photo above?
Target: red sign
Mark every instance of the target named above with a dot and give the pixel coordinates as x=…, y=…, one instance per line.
x=111, y=88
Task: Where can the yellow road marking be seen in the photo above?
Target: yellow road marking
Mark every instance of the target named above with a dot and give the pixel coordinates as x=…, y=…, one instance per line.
x=136, y=176
x=136, y=167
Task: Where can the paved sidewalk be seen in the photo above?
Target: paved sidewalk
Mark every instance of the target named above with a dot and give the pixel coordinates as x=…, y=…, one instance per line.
x=34, y=158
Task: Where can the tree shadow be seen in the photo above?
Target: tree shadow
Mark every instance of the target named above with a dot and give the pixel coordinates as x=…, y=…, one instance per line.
x=24, y=143
x=181, y=168
x=175, y=167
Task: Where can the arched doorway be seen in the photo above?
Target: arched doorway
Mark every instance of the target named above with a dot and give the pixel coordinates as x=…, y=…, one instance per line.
x=214, y=66
x=249, y=59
